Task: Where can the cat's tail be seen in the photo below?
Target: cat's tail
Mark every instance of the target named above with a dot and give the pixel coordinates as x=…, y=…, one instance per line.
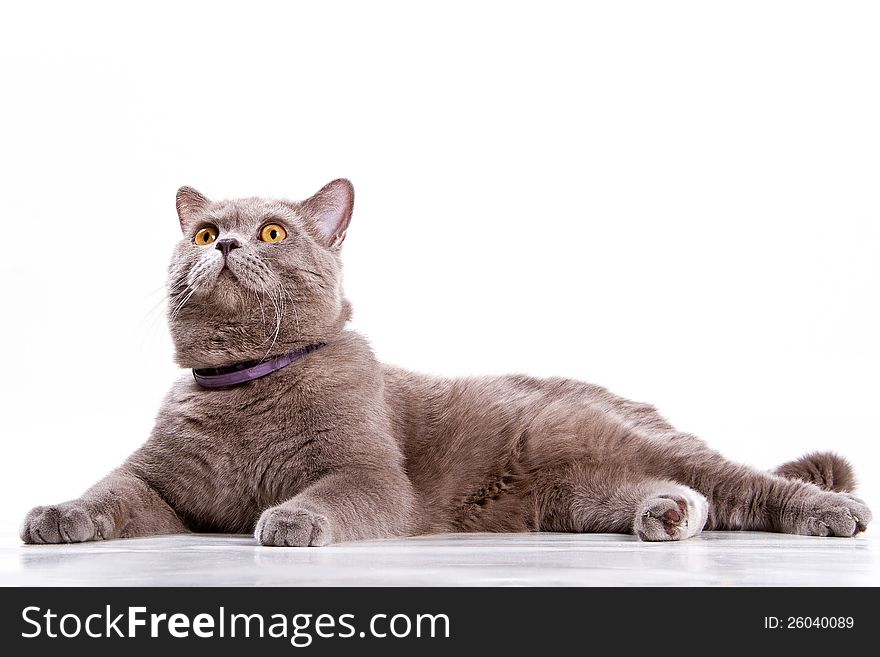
x=825, y=469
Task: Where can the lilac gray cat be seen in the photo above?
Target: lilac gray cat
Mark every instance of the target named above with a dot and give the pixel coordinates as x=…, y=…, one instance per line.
x=291, y=429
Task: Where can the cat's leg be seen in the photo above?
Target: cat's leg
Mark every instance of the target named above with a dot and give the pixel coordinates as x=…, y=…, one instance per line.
x=342, y=506
x=121, y=505
x=594, y=499
x=741, y=497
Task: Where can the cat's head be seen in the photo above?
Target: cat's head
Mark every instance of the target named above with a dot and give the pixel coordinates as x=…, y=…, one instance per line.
x=255, y=277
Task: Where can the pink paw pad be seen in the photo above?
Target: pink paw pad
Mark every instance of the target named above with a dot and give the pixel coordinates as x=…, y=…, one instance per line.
x=672, y=516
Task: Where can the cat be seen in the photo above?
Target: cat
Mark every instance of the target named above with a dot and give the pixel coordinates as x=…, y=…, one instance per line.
x=290, y=428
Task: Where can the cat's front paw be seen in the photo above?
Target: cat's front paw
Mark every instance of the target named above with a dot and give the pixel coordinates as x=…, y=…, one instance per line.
x=285, y=527
x=671, y=517
x=70, y=522
x=834, y=514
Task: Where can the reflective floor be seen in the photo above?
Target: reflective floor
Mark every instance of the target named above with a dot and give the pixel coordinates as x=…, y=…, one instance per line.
x=714, y=558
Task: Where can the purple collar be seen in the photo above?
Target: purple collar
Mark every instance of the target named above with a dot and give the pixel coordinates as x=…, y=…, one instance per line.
x=232, y=375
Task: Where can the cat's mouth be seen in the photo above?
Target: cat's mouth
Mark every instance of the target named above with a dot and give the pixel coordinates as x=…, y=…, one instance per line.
x=227, y=281
x=236, y=278
x=230, y=279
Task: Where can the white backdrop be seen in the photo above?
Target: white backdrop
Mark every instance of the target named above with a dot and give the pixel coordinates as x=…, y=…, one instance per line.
x=676, y=200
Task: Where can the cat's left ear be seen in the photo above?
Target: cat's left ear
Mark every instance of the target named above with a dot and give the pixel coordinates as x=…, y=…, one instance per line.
x=189, y=203
x=331, y=210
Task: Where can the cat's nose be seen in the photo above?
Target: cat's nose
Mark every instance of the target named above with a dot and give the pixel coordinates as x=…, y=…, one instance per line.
x=226, y=245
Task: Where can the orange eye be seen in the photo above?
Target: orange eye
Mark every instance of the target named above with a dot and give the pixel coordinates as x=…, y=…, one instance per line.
x=272, y=233
x=205, y=236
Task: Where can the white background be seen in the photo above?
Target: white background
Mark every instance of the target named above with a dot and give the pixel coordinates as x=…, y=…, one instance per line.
x=676, y=200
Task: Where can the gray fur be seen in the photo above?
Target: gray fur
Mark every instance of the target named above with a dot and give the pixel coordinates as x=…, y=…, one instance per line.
x=339, y=447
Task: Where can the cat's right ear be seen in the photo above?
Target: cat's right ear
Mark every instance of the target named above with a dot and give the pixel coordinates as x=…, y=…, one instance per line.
x=189, y=203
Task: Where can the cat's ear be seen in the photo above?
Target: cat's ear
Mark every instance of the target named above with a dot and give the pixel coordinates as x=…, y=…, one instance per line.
x=189, y=203
x=331, y=209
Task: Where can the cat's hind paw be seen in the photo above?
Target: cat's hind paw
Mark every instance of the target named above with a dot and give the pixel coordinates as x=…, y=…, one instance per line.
x=834, y=514
x=672, y=516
